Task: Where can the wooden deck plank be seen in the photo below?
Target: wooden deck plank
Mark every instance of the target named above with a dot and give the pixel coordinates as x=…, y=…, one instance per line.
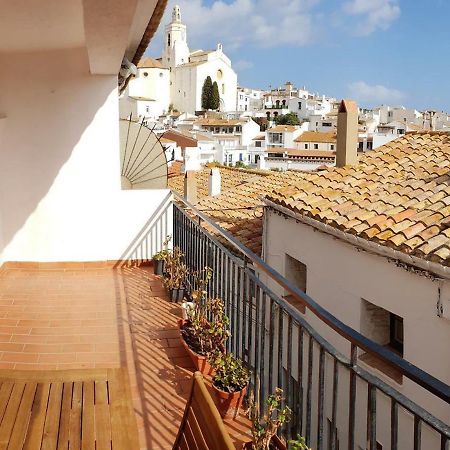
x=19, y=431
x=51, y=427
x=87, y=422
x=41, y=412
x=37, y=420
x=64, y=423
x=10, y=414
x=102, y=420
x=121, y=410
x=5, y=393
x=75, y=417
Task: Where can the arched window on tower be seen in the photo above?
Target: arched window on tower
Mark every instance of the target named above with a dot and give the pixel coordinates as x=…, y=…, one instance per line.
x=168, y=40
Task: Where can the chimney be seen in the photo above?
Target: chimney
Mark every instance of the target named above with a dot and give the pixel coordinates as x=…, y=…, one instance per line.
x=190, y=187
x=214, y=182
x=347, y=134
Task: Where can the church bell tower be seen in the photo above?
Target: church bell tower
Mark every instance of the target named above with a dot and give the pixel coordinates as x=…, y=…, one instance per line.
x=176, y=50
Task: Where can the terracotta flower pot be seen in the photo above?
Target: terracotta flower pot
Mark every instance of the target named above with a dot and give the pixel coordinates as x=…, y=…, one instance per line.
x=275, y=444
x=229, y=403
x=200, y=362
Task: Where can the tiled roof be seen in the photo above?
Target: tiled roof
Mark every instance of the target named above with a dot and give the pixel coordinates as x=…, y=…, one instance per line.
x=310, y=153
x=150, y=63
x=241, y=189
x=180, y=139
x=397, y=195
x=283, y=129
x=215, y=122
x=260, y=137
x=316, y=136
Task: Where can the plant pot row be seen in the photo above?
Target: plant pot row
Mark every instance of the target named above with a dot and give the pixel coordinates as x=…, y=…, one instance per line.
x=228, y=403
x=176, y=295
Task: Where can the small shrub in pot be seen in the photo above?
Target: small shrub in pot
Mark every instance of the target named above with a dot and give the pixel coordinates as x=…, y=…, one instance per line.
x=175, y=275
x=266, y=424
x=230, y=382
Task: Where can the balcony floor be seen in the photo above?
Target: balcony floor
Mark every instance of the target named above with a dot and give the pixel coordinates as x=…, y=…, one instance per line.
x=64, y=316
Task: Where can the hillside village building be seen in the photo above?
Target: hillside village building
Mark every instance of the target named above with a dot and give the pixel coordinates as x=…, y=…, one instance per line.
x=176, y=79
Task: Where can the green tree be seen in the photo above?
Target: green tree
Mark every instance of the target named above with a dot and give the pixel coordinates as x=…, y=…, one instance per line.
x=207, y=93
x=287, y=119
x=215, y=97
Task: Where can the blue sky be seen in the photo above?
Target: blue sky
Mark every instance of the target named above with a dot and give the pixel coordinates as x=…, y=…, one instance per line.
x=376, y=51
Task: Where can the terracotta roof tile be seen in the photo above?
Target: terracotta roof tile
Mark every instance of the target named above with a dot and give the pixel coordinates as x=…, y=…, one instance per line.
x=238, y=208
x=397, y=195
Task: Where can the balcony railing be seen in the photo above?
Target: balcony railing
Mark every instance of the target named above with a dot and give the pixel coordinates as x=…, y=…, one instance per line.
x=336, y=403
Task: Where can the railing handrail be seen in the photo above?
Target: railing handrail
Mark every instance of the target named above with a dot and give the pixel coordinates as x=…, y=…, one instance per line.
x=409, y=370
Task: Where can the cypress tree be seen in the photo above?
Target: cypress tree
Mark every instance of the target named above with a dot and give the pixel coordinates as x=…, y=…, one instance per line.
x=215, y=97
x=207, y=93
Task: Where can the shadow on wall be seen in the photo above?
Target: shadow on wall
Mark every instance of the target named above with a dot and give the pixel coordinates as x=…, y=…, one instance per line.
x=49, y=100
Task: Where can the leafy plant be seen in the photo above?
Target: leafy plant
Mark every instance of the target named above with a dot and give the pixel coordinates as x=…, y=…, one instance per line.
x=163, y=254
x=207, y=91
x=215, y=96
x=287, y=119
x=266, y=424
x=207, y=327
x=175, y=269
x=231, y=373
x=298, y=444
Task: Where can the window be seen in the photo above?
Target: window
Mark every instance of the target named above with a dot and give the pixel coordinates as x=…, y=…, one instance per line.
x=369, y=145
x=223, y=89
x=239, y=128
x=361, y=145
x=306, y=146
x=230, y=130
x=295, y=271
x=316, y=146
x=145, y=74
x=332, y=147
x=276, y=138
x=230, y=158
x=161, y=74
x=168, y=40
x=216, y=129
x=326, y=124
x=241, y=157
x=299, y=105
x=400, y=131
x=385, y=328
x=257, y=143
x=219, y=75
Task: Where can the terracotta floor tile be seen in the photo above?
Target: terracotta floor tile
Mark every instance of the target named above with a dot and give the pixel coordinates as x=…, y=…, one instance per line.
x=69, y=317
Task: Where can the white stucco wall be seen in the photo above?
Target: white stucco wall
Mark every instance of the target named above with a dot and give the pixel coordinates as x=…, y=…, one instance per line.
x=338, y=277
x=60, y=194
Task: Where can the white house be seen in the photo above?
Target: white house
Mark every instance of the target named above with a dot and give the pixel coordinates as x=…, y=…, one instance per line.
x=371, y=246
x=283, y=135
x=151, y=88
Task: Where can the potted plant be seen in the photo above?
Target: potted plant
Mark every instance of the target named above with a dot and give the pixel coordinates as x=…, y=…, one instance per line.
x=230, y=382
x=265, y=426
x=159, y=259
x=204, y=332
x=298, y=444
x=175, y=275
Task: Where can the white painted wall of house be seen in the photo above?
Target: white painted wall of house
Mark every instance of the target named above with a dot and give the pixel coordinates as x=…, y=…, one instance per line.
x=60, y=194
x=338, y=277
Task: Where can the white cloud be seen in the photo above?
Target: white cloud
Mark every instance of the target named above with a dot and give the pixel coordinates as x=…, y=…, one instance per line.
x=372, y=14
x=240, y=23
x=242, y=64
x=373, y=94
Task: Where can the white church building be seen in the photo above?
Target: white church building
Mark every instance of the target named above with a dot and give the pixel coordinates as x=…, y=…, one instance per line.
x=181, y=74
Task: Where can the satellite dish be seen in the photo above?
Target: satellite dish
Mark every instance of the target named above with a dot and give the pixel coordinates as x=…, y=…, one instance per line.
x=142, y=157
